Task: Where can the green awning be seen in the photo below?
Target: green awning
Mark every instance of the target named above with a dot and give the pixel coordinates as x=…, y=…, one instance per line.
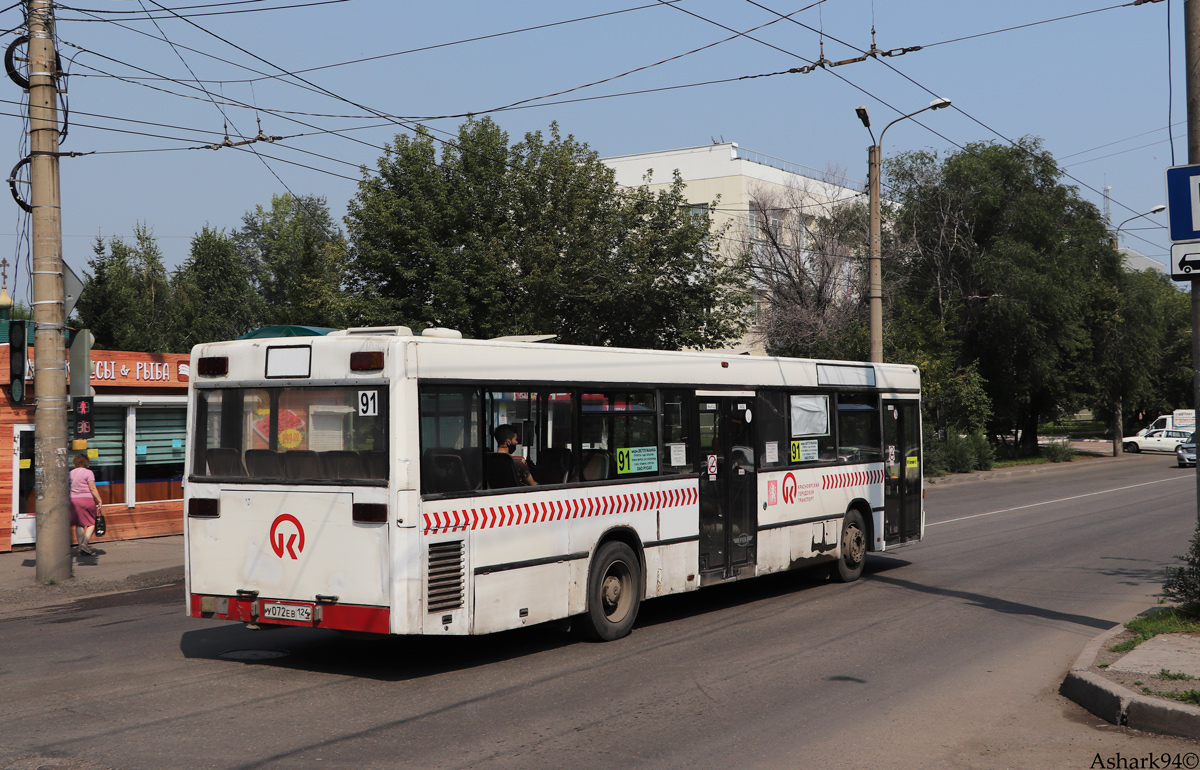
x=287, y=330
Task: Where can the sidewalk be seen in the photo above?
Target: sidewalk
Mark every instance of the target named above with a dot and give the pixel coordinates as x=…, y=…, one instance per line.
x=1103, y=682
x=121, y=565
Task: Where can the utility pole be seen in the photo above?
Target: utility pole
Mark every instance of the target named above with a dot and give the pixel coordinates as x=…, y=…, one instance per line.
x=49, y=360
x=1191, y=42
x=875, y=268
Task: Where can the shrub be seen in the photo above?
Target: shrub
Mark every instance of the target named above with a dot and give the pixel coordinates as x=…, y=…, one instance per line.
x=985, y=455
x=1183, y=583
x=935, y=458
x=1059, y=451
x=960, y=455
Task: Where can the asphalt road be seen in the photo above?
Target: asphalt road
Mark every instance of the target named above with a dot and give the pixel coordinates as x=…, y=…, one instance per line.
x=947, y=654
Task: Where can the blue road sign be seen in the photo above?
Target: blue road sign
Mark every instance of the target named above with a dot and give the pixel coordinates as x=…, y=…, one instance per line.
x=1183, y=202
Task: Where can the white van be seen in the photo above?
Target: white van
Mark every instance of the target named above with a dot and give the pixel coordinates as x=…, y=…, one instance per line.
x=1180, y=419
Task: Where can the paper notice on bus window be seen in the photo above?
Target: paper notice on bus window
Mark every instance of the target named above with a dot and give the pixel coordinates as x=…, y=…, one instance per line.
x=808, y=451
x=771, y=455
x=678, y=454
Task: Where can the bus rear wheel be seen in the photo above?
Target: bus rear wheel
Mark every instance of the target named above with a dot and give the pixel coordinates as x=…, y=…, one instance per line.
x=614, y=593
x=853, y=556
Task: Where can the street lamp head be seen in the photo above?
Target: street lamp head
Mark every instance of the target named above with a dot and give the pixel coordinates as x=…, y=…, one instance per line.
x=862, y=115
x=939, y=103
x=1157, y=209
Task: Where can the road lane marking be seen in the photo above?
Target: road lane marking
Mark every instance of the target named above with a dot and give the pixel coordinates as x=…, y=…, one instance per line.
x=1059, y=500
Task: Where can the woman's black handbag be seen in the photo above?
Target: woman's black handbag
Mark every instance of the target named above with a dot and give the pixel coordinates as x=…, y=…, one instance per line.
x=101, y=525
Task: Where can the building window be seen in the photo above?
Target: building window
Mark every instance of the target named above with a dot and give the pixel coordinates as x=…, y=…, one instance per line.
x=158, y=453
x=106, y=452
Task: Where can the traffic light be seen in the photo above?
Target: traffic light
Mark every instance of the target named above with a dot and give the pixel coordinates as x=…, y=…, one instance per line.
x=85, y=427
x=17, y=357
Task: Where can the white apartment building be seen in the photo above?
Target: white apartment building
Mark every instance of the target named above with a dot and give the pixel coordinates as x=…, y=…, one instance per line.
x=747, y=188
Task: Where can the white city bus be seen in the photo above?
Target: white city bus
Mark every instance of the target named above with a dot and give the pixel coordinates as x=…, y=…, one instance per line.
x=352, y=481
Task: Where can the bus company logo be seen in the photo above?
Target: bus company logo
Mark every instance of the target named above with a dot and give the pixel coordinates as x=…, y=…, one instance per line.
x=789, y=489
x=278, y=532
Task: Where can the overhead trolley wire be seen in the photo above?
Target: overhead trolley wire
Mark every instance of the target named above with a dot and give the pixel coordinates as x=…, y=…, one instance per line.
x=734, y=36
x=953, y=106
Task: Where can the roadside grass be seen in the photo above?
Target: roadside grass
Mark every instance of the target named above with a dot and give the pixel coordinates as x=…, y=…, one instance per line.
x=1017, y=461
x=1176, y=675
x=1075, y=428
x=1187, y=696
x=1169, y=621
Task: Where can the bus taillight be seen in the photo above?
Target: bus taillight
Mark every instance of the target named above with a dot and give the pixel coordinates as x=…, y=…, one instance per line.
x=370, y=513
x=204, y=508
x=366, y=360
x=213, y=366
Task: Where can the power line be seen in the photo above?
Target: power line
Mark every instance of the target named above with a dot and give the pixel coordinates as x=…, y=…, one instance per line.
x=1118, y=141
x=146, y=16
x=1122, y=152
x=1033, y=24
x=475, y=39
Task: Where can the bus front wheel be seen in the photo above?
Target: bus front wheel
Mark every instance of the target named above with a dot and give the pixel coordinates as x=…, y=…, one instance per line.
x=614, y=592
x=853, y=554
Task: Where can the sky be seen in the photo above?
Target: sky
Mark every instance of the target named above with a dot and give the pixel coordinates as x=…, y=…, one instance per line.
x=152, y=82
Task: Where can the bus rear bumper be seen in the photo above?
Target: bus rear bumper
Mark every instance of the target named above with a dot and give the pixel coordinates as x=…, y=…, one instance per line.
x=287, y=612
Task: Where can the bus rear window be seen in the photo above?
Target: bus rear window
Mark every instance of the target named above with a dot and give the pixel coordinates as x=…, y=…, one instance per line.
x=322, y=434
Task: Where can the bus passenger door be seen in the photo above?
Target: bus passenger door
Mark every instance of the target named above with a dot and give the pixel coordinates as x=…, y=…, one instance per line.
x=728, y=487
x=902, y=471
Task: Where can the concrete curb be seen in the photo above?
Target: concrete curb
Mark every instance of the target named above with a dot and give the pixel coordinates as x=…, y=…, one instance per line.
x=1122, y=706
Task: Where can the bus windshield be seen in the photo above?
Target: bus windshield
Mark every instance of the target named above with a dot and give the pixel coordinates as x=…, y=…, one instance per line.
x=322, y=434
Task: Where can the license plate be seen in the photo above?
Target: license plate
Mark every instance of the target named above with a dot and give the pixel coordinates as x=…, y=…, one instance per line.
x=298, y=612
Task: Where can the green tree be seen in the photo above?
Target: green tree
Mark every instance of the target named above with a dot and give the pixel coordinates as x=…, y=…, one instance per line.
x=295, y=254
x=126, y=296
x=213, y=296
x=997, y=260
x=1163, y=380
x=536, y=237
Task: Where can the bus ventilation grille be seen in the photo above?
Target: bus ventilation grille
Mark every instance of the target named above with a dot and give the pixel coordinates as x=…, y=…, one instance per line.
x=445, y=576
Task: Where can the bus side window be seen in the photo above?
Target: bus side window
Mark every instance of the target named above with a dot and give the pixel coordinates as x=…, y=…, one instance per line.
x=451, y=457
x=674, y=452
x=619, y=432
x=771, y=418
x=812, y=437
x=859, y=438
x=519, y=409
x=555, y=449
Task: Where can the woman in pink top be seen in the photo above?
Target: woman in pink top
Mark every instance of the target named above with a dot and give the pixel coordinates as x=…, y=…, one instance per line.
x=85, y=501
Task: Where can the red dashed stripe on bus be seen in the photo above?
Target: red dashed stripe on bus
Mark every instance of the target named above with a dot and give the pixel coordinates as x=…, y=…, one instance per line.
x=511, y=515
x=851, y=479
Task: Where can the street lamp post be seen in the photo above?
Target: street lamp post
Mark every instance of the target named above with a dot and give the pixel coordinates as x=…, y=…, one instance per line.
x=1117, y=233
x=875, y=291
